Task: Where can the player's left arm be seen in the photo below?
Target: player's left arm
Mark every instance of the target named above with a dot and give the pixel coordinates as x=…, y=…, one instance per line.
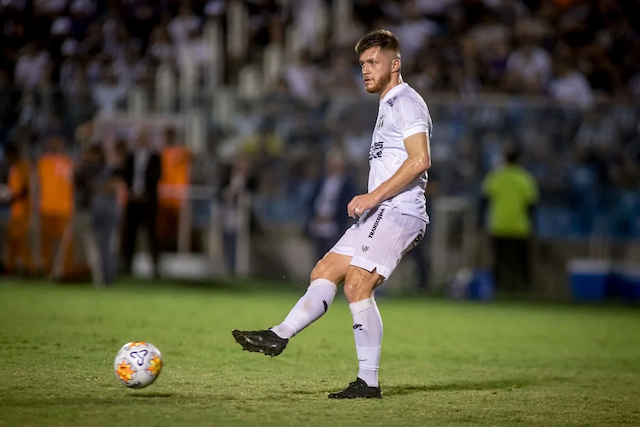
x=418, y=162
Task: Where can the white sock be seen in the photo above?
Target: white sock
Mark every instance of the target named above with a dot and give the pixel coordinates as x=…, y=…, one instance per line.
x=367, y=330
x=313, y=304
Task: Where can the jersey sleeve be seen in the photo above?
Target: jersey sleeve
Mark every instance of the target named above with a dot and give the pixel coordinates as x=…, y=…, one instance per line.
x=412, y=117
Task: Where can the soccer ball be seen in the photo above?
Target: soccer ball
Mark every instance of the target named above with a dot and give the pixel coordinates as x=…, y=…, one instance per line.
x=138, y=364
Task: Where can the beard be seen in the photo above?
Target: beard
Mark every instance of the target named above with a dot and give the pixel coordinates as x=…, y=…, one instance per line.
x=380, y=84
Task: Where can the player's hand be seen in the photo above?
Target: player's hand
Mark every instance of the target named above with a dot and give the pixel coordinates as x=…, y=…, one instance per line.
x=359, y=204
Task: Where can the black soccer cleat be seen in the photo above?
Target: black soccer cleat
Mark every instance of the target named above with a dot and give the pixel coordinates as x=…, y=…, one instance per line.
x=265, y=341
x=358, y=390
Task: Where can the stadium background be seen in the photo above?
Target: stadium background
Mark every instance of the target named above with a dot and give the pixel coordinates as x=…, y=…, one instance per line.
x=229, y=75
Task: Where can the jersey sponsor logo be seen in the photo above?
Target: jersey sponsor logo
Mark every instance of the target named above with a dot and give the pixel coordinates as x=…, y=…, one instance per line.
x=375, y=224
x=375, y=152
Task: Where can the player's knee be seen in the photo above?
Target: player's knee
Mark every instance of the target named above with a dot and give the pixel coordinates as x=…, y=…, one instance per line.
x=357, y=291
x=359, y=284
x=322, y=270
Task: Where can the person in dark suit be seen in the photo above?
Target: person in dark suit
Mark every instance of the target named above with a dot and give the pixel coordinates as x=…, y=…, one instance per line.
x=142, y=173
x=334, y=191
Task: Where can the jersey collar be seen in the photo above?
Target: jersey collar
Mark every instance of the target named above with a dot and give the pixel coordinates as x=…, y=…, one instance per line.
x=393, y=92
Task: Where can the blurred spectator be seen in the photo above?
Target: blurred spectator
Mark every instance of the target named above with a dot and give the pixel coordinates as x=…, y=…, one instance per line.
x=161, y=48
x=31, y=65
x=328, y=219
x=194, y=54
x=414, y=31
x=55, y=177
x=97, y=185
x=19, y=197
x=183, y=24
x=108, y=94
x=127, y=67
x=309, y=30
x=176, y=167
x=70, y=65
x=82, y=15
x=237, y=183
x=302, y=78
x=49, y=7
x=569, y=86
x=511, y=193
x=142, y=173
x=487, y=48
x=528, y=68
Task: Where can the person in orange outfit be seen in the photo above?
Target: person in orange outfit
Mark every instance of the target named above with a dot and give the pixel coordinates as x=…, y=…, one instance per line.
x=55, y=176
x=19, y=198
x=176, y=169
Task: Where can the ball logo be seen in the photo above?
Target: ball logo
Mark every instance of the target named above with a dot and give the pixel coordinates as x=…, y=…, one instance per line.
x=138, y=356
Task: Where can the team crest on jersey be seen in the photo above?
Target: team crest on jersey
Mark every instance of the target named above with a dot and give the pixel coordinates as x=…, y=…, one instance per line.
x=380, y=123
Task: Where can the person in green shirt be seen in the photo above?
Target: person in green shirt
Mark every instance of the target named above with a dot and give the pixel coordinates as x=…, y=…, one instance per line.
x=510, y=194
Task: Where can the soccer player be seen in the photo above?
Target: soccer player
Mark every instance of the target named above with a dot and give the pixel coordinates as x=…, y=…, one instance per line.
x=391, y=219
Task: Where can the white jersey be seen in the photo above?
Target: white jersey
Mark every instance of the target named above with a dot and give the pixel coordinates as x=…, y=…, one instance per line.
x=402, y=113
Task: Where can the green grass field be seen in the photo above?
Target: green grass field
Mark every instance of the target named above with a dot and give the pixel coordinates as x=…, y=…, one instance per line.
x=443, y=363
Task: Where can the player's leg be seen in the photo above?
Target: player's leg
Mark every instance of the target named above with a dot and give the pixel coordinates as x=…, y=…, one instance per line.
x=326, y=275
x=367, y=330
x=387, y=235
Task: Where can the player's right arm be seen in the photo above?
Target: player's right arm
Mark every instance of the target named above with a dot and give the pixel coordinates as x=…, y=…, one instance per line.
x=418, y=162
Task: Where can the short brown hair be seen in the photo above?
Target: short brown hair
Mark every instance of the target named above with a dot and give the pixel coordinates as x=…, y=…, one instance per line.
x=383, y=38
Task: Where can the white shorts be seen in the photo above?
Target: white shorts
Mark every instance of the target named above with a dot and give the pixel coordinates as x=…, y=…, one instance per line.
x=380, y=239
